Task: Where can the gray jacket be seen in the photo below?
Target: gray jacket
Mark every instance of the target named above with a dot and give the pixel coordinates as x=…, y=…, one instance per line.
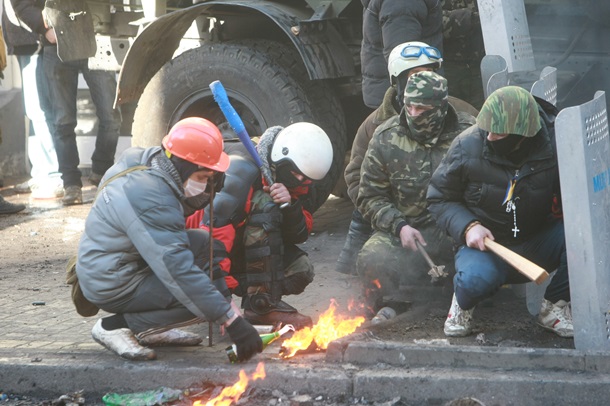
x=136, y=226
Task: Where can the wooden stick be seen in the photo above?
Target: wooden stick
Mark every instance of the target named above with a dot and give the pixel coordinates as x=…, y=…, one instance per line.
x=521, y=264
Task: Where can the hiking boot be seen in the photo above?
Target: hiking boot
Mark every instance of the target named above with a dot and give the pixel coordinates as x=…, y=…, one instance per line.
x=355, y=240
x=173, y=337
x=458, y=320
x=122, y=342
x=557, y=317
x=10, y=208
x=23, y=188
x=72, y=195
x=259, y=308
x=95, y=179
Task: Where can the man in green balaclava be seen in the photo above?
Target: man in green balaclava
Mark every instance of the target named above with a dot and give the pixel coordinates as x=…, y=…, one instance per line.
x=500, y=180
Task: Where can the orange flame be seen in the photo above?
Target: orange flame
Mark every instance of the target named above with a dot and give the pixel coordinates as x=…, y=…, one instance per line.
x=376, y=283
x=328, y=328
x=232, y=394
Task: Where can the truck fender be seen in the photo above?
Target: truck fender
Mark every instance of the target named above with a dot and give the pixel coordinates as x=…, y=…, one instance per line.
x=322, y=50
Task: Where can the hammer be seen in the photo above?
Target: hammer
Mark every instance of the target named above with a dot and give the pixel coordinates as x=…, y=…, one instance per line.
x=436, y=271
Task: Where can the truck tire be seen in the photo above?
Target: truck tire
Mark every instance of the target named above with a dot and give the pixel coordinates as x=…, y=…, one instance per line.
x=263, y=92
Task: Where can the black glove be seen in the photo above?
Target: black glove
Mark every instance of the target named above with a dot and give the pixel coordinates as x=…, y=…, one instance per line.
x=246, y=338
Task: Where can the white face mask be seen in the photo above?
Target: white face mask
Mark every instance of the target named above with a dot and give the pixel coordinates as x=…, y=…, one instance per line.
x=194, y=188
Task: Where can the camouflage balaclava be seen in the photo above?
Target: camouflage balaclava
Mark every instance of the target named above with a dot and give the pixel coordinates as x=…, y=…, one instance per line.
x=426, y=89
x=510, y=110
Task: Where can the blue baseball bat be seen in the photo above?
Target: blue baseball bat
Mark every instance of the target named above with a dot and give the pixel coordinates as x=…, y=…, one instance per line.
x=221, y=98
x=220, y=95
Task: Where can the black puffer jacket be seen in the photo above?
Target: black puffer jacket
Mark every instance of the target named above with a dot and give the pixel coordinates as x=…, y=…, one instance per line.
x=387, y=23
x=471, y=182
x=22, y=25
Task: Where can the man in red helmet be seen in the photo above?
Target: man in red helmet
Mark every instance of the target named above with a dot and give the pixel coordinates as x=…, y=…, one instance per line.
x=137, y=260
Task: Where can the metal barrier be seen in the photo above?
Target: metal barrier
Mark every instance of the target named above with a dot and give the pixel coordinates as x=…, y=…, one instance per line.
x=583, y=150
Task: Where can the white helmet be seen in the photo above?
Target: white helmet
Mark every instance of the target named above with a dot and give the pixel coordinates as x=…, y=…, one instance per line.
x=410, y=55
x=307, y=147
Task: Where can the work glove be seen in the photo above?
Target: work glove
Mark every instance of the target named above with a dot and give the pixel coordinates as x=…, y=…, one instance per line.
x=246, y=339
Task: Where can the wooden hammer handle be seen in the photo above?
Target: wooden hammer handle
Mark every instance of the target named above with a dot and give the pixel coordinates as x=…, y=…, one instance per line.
x=521, y=264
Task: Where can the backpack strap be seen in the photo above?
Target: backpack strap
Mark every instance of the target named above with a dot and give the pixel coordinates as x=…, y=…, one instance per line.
x=118, y=175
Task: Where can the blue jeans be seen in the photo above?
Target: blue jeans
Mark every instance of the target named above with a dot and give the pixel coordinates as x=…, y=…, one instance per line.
x=41, y=149
x=63, y=85
x=479, y=274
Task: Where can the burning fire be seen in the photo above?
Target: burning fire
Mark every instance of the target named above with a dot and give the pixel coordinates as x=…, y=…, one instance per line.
x=328, y=328
x=233, y=393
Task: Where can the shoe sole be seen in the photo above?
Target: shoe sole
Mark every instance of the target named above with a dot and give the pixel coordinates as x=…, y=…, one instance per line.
x=457, y=334
x=127, y=356
x=555, y=331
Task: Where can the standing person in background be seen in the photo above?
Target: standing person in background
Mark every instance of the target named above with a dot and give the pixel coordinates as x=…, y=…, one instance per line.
x=6, y=207
x=400, y=160
x=24, y=30
x=386, y=24
x=463, y=50
x=62, y=77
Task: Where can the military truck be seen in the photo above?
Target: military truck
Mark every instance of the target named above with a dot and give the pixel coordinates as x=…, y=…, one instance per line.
x=283, y=61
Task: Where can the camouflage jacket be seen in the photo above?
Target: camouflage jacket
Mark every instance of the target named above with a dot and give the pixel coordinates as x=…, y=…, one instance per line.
x=362, y=139
x=396, y=171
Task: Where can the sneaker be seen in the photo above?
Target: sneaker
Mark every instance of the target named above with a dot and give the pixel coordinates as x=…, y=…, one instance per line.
x=48, y=191
x=10, y=208
x=458, y=320
x=72, y=195
x=122, y=342
x=23, y=188
x=557, y=317
x=173, y=337
x=95, y=178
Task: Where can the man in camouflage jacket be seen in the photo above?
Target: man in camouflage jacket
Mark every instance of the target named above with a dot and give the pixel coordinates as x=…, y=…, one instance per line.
x=402, y=155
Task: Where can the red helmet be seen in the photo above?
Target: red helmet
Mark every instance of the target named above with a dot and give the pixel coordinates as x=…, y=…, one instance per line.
x=198, y=141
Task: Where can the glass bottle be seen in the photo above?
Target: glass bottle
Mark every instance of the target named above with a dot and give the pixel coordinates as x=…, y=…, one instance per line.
x=265, y=338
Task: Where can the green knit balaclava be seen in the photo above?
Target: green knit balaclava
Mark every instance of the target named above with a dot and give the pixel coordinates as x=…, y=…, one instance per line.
x=426, y=89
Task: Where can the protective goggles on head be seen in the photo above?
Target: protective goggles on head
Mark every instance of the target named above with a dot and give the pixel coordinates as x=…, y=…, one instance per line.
x=414, y=51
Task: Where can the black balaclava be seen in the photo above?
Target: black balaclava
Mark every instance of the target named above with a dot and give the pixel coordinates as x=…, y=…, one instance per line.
x=185, y=168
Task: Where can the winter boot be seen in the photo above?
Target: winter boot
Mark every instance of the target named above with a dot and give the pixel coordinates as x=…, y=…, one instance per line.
x=259, y=308
x=358, y=234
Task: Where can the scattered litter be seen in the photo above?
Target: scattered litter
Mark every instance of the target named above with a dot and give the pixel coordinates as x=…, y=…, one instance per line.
x=147, y=398
x=38, y=303
x=71, y=399
x=481, y=338
x=36, y=359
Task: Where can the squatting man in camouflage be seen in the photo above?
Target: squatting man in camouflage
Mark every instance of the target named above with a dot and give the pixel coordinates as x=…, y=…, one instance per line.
x=137, y=260
x=405, y=59
x=402, y=155
x=499, y=181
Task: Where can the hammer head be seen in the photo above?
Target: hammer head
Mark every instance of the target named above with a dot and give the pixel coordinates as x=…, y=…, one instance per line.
x=437, y=271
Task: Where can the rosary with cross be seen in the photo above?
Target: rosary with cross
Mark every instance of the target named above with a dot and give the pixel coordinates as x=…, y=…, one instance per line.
x=510, y=203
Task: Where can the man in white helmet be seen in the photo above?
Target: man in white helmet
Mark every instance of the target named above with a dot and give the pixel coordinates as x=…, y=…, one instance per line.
x=405, y=60
x=260, y=224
